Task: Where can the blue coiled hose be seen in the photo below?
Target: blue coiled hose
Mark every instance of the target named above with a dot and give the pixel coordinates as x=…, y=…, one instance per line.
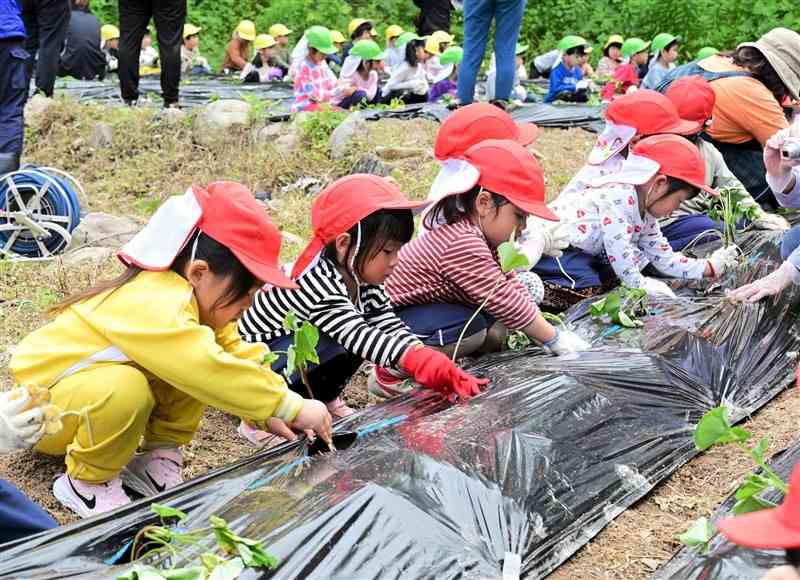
x=58, y=205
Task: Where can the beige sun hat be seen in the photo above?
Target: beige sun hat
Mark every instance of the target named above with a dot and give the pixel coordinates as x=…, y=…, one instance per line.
x=781, y=47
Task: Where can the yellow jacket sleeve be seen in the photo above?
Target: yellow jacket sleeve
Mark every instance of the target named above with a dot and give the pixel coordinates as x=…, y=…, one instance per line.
x=157, y=326
x=231, y=342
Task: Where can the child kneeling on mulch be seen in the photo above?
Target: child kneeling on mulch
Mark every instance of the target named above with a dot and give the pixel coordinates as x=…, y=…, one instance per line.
x=444, y=274
x=613, y=227
x=136, y=360
x=358, y=79
x=360, y=223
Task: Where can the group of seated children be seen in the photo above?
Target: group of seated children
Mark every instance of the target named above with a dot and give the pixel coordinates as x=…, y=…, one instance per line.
x=203, y=279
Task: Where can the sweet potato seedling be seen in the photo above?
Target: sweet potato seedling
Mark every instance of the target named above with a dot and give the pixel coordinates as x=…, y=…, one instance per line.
x=510, y=259
x=715, y=429
x=622, y=306
x=729, y=209
x=233, y=553
x=299, y=354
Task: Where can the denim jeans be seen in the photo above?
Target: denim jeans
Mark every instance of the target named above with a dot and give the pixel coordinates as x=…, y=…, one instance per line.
x=478, y=15
x=791, y=242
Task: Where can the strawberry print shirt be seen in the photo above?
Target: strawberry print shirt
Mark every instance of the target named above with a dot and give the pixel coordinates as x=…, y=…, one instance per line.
x=606, y=221
x=315, y=81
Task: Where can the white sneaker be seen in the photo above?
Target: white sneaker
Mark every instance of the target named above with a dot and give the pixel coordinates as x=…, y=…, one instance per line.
x=154, y=471
x=89, y=499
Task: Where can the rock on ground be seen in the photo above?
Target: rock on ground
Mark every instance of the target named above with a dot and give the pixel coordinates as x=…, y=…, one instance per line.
x=102, y=136
x=342, y=137
x=215, y=118
x=88, y=254
x=104, y=229
x=36, y=106
x=268, y=133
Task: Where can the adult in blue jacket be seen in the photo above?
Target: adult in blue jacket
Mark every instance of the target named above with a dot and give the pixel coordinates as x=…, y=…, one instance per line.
x=13, y=84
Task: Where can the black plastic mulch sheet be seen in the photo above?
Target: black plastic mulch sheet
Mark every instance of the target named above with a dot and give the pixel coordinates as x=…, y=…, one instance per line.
x=527, y=472
x=560, y=116
x=194, y=90
x=726, y=561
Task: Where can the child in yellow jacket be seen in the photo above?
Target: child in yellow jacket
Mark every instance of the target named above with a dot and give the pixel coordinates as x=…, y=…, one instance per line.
x=135, y=361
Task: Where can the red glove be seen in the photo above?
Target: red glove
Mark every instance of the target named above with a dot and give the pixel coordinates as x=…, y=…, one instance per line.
x=434, y=370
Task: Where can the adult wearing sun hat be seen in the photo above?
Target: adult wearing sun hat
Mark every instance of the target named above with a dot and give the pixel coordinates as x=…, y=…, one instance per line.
x=169, y=17
x=752, y=85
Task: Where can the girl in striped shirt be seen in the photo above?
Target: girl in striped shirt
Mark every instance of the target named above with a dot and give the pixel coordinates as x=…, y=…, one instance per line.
x=444, y=274
x=360, y=223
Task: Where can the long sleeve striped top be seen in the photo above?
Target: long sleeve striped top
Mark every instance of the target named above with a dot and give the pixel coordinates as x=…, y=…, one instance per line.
x=454, y=264
x=370, y=330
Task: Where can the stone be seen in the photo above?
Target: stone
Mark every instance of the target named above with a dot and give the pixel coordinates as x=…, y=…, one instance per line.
x=286, y=143
x=170, y=115
x=308, y=185
x=102, y=136
x=36, y=107
x=372, y=165
x=395, y=153
x=214, y=119
x=342, y=137
x=268, y=133
x=88, y=254
x=104, y=229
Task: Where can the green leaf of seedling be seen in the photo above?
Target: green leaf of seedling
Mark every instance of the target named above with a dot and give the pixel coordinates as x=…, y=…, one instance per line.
x=752, y=504
x=510, y=257
x=211, y=560
x=699, y=534
x=165, y=511
x=753, y=485
x=269, y=359
x=290, y=321
x=193, y=573
x=625, y=320
x=761, y=448
x=291, y=358
x=612, y=305
x=228, y=570
x=246, y=554
x=736, y=435
x=598, y=308
x=712, y=427
x=306, y=339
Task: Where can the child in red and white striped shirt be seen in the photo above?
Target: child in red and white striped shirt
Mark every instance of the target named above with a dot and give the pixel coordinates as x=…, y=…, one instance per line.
x=443, y=275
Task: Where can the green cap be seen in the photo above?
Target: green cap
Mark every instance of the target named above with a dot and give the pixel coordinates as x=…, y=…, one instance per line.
x=320, y=38
x=405, y=38
x=569, y=42
x=633, y=46
x=452, y=55
x=661, y=41
x=706, y=51
x=367, y=50
x=521, y=48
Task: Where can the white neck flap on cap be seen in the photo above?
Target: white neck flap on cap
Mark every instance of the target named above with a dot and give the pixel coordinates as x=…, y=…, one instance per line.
x=157, y=245
x=635, y=170
x=456, y=176
x=611, y=141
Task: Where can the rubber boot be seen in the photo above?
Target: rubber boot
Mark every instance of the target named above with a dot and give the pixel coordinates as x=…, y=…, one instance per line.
x=8, y=162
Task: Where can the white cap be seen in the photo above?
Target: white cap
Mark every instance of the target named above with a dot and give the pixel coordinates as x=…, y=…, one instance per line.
x=455, y=176
x=635, y=170
x=611, y=141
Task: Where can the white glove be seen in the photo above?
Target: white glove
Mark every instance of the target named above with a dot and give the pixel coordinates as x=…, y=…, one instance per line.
x=770, y=221
x=769, y=285
x=582, y=84
x=555, y=236
x=419, y=87
x=531, y=244
x=779, y=170
x=19, y=428
x=656, y=288
x=724, y=259
x=565, y=342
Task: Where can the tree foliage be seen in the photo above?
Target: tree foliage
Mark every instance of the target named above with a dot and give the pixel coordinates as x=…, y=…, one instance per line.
x=719, y=23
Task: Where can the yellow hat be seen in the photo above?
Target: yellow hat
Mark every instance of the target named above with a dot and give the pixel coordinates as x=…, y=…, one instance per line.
x=246, y=30
x=337, y=37
x=264, y=41
x=431, y=45
x=613, y=39
x=355, y=23
x=587, y=49
x=441, y=36
x=109, y=32
x=277, y=30
x=190, y=30
x=393, y=31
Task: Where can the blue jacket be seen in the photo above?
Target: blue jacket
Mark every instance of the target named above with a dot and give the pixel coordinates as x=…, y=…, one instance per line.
x=11, y=19
x=563, y=80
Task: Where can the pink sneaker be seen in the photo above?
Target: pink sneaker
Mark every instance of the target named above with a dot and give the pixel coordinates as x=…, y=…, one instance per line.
x=385, y=384
x=154, y=471
x=254, y=435
x=89, y=499
x=339, y=409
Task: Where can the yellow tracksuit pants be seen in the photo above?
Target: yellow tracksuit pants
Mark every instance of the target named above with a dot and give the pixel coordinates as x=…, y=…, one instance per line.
x=115, y=406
